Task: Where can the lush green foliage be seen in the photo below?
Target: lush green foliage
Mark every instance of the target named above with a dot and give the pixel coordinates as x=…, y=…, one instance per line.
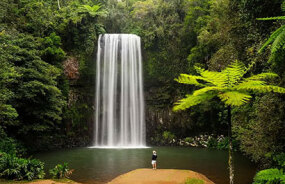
x=12, y=147
x=42, y=106
x=12, y=167
x=35, y=38
x=270, y=176
x=61, y=171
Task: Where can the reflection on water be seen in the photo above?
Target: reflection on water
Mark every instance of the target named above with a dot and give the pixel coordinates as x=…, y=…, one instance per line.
x=101, y=165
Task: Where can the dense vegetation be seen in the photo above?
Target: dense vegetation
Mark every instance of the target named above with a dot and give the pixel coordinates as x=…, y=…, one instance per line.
x=47, y=67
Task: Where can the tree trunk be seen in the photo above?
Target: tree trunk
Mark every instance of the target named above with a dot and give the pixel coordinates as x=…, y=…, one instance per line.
x=231, y=164
x=58, y=4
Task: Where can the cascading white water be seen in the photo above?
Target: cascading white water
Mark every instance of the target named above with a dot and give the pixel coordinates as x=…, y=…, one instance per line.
x=119, y=101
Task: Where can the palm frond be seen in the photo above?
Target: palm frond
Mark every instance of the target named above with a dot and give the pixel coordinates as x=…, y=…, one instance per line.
x=192, y=100
x=272, y=37
x=190, y=79
x=234, y=72
x=234, y=98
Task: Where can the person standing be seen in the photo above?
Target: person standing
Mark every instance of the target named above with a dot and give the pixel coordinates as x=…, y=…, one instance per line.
x=153, y=159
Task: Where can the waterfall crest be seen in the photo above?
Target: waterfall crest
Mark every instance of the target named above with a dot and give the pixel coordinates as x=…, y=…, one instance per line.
x=119, y=101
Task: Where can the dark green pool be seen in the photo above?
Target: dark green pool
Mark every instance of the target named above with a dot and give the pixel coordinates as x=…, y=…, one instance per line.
x=102, y=165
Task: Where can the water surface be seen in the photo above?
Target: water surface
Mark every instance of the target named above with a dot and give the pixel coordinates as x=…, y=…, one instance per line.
x=102, y=165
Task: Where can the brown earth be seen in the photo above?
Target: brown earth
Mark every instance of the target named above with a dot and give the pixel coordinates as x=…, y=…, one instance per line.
x=159, y=176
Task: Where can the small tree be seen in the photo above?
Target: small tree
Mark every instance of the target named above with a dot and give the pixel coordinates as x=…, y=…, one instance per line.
x=231, y=87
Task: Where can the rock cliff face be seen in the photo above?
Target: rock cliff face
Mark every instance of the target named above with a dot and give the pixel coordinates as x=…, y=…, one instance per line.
x=78, y=116
x=159, y=115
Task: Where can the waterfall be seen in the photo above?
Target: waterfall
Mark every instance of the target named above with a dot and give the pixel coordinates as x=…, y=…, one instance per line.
x=119, y=101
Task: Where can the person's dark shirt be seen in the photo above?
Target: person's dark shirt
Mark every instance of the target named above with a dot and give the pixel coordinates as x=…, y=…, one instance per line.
x=154, y=157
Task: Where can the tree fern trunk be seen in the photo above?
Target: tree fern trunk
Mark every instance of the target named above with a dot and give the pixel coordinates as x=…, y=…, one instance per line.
x=231, y=164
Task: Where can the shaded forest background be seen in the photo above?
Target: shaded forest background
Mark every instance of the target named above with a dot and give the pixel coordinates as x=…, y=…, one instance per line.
x=47, y=68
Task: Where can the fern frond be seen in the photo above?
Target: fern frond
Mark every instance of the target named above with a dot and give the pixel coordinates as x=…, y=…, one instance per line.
x=234, y=98
x=259, y=88
x=272, y=37
x=190, y=79
x=272, y=18
x=192, y=100
x=248, y=83
x=278, y=42
x=207, y=89
x=215, y=78
x=262, y=76
x=269, y=176
x=234, y=72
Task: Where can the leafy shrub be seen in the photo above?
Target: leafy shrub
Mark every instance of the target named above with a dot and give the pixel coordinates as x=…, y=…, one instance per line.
x=194, y=181
x=11, y=146
x=168, y=136
x=189, y=139
x=61, y=171
x=270, y=176
x=12, y=167
x=52, y=52
x=212, y=143
x=223, y=144
x=279, y=160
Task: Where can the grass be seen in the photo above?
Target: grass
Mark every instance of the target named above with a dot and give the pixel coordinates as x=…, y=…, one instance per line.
x=194, y=181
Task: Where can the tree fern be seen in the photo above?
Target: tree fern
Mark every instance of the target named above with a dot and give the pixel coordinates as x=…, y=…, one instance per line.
x=230, y=86
x=93, y=11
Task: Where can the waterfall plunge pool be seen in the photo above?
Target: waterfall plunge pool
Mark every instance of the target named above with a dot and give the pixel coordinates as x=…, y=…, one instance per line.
x=92, y=165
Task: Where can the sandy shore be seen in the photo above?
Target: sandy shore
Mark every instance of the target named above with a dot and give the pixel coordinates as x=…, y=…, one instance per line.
x=159, y=176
